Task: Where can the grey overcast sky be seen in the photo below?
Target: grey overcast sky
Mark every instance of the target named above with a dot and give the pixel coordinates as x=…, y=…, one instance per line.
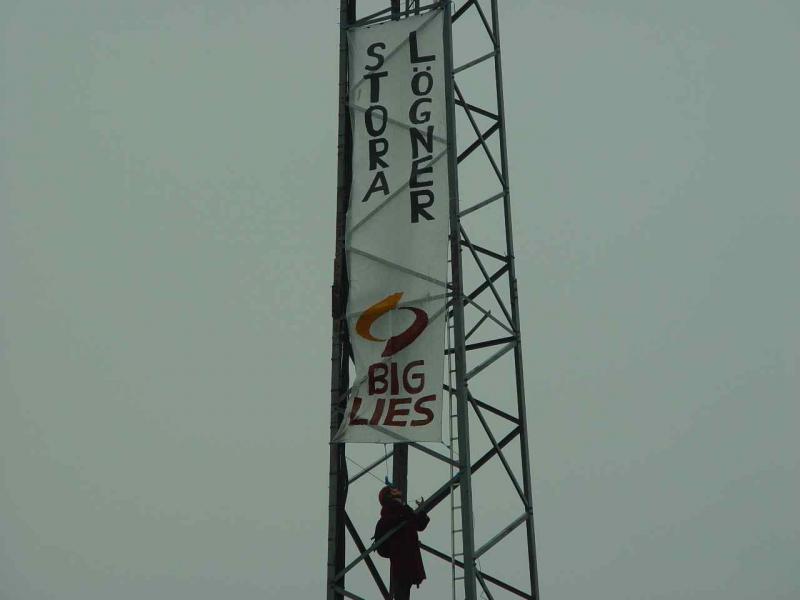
x=167, y=189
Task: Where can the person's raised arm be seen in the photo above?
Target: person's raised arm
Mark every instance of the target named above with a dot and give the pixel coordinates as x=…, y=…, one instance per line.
x=421, y=518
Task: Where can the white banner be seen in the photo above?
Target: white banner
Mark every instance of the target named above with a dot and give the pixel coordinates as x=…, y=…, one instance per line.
x=397, y=231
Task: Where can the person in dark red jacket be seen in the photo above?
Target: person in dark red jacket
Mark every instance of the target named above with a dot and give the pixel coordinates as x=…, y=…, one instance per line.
x=402, y=548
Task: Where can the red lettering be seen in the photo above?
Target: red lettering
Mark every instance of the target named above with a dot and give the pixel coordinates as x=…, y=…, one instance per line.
x=376, y=376
x=354, y=411
x=421, y=409
x=376, y=415
x=394, y=412
x=418, y=377
x=394, y=380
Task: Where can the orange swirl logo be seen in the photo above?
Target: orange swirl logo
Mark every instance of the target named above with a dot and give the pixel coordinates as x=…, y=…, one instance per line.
x=399, y=341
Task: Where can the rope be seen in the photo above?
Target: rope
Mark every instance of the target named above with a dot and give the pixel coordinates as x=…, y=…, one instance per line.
x=370, y=473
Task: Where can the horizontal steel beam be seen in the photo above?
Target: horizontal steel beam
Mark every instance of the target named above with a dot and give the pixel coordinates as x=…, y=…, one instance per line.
x=475, y=370
x=496, y=411
x=472, y=63
x=385, y=15
x=506, y=530
x=484, y=344
x=364, y=20
x=481, y=204
x=476, y=109
x=491, y=253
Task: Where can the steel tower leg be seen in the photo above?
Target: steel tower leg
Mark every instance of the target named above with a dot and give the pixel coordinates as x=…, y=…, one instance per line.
x=457, y=291
x=512, y=280
x=337, y=474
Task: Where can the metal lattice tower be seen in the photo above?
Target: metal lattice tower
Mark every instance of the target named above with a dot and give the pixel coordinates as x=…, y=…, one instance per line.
x=487, y=425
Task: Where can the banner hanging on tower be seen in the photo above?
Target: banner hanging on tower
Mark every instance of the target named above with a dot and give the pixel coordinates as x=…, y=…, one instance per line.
x=397, y=231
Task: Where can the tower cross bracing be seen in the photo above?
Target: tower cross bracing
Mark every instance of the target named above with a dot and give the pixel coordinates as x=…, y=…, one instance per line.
x=481, y=550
